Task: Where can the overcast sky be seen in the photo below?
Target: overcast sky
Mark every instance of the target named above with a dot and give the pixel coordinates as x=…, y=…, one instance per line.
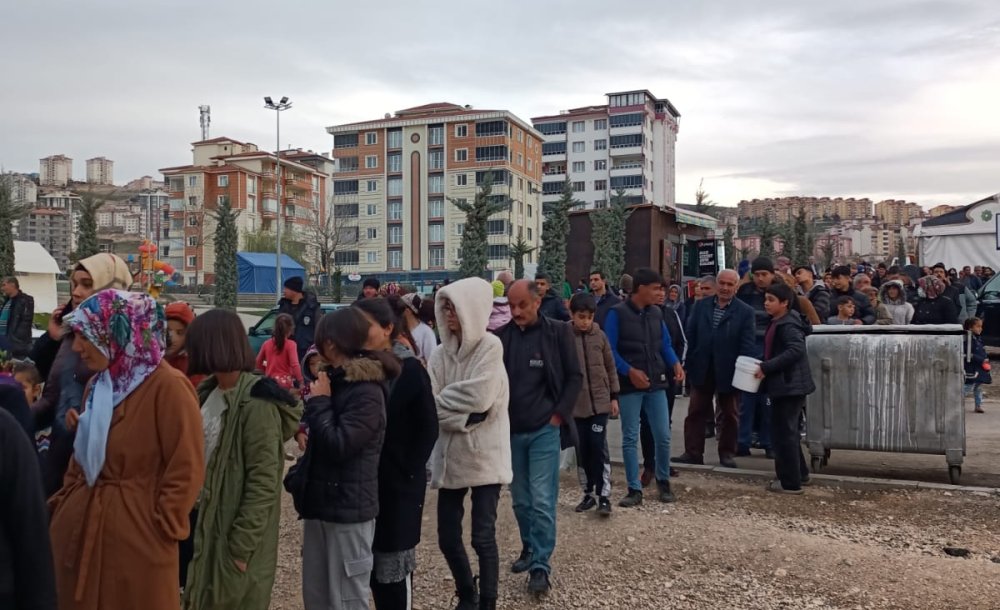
x=877, y=98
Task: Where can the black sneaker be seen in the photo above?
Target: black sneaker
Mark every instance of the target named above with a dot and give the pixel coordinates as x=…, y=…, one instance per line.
x=523, y=562
x=604, y=507
x=743, y=452
x=728, y=462
x=687, y=458
x=666, y=496
x=633, y=499
x=587, y=504
x=538, y=582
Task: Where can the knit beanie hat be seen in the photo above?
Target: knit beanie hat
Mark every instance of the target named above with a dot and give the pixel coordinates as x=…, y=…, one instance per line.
x=761, y=263
x=295, y=283
x=497, y=288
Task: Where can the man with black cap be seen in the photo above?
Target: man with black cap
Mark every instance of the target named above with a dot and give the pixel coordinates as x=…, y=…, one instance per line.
x=813, y=289
x=304, y=309
x=842, y=286
x=754, y=408
x=369, y=289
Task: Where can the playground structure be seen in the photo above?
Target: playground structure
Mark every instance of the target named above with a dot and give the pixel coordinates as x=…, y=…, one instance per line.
x=153, y=273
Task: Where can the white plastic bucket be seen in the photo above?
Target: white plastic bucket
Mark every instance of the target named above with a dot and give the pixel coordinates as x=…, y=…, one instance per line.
x=743, y=376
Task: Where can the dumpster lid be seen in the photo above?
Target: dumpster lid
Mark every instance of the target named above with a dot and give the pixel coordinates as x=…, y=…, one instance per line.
x=887, y=329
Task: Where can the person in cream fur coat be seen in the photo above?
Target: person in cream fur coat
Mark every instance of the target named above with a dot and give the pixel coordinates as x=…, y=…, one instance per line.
x=473, y=447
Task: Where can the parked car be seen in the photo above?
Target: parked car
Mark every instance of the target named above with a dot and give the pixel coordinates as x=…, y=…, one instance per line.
x=262, y=330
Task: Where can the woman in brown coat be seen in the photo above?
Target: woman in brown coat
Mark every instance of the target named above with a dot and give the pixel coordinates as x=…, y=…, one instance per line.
x=137, y=467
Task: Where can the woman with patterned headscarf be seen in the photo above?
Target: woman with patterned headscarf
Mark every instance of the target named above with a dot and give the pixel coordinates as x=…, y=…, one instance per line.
x=933, y=307
x=137, y=467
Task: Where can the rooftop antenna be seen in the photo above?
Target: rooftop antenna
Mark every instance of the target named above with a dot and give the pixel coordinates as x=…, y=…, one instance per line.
x=205, y=120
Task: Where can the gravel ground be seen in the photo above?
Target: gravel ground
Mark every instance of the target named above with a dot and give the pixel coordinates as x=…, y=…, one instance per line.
x=729, y=544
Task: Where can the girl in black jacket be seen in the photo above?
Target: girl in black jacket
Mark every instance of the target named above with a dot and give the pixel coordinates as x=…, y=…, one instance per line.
x=410, y=434
x=346, y=419
x=787, y=381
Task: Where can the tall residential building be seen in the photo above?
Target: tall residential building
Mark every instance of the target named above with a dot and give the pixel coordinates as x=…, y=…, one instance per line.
x=23, y=188
x=53, y=229
x=223, y=167
x=897, y=213
x=785, y=209
x=397, y=176
x=940, y=210
x=100, y=171
x=56, y=170
x=627, y=144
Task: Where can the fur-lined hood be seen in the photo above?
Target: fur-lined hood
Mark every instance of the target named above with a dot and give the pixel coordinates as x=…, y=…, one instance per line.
x=252, y=386
x=364, y=369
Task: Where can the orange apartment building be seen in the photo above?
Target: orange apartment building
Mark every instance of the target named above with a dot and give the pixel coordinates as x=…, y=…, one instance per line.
x=223, y=167
x=396, y=178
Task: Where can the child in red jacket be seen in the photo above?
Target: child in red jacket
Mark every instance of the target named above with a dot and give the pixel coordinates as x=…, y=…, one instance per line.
x=279, y=356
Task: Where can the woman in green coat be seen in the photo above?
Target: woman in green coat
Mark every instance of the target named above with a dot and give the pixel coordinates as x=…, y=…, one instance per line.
x=247, y=419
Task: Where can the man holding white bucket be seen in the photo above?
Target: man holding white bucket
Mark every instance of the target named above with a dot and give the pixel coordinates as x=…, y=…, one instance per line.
x=720, y=329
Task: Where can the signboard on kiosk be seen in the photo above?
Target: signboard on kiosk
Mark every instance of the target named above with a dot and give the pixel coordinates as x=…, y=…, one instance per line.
x=707, y=257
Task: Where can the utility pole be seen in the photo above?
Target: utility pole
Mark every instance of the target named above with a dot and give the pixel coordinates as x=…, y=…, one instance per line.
x=283, y=104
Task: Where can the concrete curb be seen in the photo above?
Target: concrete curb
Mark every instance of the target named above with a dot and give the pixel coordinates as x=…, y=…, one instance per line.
x=842, y=481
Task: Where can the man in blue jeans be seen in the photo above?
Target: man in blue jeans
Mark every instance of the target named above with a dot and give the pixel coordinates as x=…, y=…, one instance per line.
x=755, y=409
x=545, y=381
x=646, y=362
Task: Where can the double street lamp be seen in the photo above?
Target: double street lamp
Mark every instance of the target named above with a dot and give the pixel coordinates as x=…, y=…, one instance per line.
x=283, y=104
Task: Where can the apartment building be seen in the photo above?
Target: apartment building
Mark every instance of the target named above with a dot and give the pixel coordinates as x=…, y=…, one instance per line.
x=54, y=229
x=22, y=188
x=224, y=167
x=56, y=170
x=396, y=178
x=896, y=212
x=786, y=209
x=940, y=210
x=100, y=171
x=627, y=144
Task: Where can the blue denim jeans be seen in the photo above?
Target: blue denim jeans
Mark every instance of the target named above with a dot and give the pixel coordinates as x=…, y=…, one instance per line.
x=750, y=404
x=535, y=490
x=654, y=405
x=976, y=389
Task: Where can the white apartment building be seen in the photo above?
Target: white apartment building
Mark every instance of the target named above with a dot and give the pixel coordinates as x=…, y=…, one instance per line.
x=100, y=171
x=56, y=170
x=23, y=188
x=627, y=144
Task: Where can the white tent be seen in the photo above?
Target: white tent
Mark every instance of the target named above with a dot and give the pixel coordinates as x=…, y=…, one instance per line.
x=36, y=271
x=969, y=235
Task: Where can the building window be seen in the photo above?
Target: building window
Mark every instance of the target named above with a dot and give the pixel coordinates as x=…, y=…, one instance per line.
x=345, y=187
x=531, y=165
x=394, y=138
x=192, y=261
x=520, y=135
x=372, y=209
x=579, y=147
x=461, y=131
x=461, y=179
x=372, y=233
x=192, y=221
x=600, y=164
x=371, y=161
x=627, y=99
x=372, y=186
x=600, y=185
x=436, y=256
x=222, y=181
x=579, y=166
x=394, y=187
x=395, y=210
x=628, y=141
x=627, y=120
x=529, y=210
x=600, y=144
x=552, y=188
x=435, y=208
x=626, y=182
x=315, y=201
x=192, y=241
x=498, y=252
x=395, y=235
x=371, y=138
x=579, y=126
x=459, y=228
x=529, y=234
x=345, y=210
x=251, y=185
x=192, y=180
x=552, y=129
x=461, y=154
x=520, y=159
x=579, y=187
x=491, y=153
x=435, y=135
x=346, y=140
x=600, y=124
x=435, y=160
x=496, y=227
x=435, y=184
x=346, y=257
x=491, y=128
x=394, y=163
x=372, y=256
x=554, y=148
x=601, y=204
x=435, y=233
x=395, y=259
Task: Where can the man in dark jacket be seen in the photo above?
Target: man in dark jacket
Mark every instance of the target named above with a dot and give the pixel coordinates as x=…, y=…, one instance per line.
x=814, y=290
x=842, y=286
x=645, y=359
x=719, y=330
x=755, y=412
x=369, y=289
x=27, y=579
x=304, y=309
x=545, y=381
x=605, y=298
x=552, y=304
x=16, y=317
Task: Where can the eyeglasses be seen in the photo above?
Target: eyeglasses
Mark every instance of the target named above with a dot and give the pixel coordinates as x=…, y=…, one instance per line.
x=448, y=307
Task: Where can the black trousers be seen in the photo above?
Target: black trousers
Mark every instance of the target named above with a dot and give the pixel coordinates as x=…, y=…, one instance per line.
x=451, y=511
x=392, y=595
x=646, y=442
x=789, y=462
x=186, y=548
x=593, y=457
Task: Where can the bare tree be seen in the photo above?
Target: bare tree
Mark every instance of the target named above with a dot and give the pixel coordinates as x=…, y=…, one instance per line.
x=328, y=234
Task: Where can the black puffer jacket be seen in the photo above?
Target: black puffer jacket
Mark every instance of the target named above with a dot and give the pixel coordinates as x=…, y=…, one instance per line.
x=787, y=370
x=346, y=432
x=22, y=311
x=941, y=310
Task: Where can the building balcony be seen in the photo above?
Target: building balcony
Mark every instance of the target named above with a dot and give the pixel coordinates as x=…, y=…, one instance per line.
x=559, y=176
x=629, y=169
x=626, y=151
x=177, y=205
x=345, y=169
x=624, y=130
x=269, y=207
x=345, y=198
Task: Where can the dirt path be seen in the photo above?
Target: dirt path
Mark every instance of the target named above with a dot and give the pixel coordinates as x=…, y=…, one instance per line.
x=730, y=544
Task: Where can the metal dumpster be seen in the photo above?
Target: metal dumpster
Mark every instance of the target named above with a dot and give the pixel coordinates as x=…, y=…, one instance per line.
x=887, y=388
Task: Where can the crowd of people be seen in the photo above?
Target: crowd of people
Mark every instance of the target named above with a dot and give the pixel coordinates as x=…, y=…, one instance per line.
x=158, y=436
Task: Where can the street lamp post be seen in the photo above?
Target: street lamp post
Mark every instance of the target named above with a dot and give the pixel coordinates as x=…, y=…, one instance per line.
x=283, y=104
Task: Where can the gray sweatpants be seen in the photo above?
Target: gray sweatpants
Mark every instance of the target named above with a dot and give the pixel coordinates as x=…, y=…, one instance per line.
x=336, y=564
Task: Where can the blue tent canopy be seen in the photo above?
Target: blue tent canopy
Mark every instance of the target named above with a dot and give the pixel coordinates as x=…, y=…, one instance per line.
x=256, y=271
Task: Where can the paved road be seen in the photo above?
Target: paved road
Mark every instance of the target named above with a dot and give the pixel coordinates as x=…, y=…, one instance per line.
x=982, y=462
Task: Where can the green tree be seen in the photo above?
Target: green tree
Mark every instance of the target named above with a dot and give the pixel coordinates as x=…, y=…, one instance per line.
x=555, y=231
x=518, y=251
x=901, y=251
x=10, y=212
x=475, y=240
x=703, y=204
x=729, y=247
x=768, y=231
x=608, y=235
x=800, y=230
x=264, y=241
x=828, y=253
x=86, y=241
x=226, y=245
